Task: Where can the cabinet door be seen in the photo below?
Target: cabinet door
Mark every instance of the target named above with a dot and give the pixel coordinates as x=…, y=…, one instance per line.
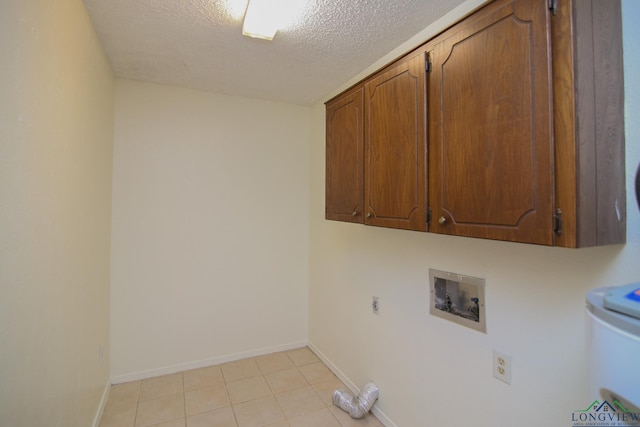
x=345, y=132
x=490, y=140
x=395, y=151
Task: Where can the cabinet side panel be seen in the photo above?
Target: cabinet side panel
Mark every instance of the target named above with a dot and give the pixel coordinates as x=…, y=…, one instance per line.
x=589, y=122
x=609, y=119
x=599, y=123
x=585, y=124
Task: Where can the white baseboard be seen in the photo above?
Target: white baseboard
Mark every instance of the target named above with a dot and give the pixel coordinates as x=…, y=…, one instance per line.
x=134, y=376
x=381, y=416
x=103, y=402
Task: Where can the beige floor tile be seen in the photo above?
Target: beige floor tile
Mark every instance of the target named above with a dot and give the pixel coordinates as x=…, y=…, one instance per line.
x=321, y=418
x=258, y=412
x=202, y=378
x=290, y=379
x=239, y=370
x=316, y=372
x=125, y=392
x=302, y=356
x=325, y=389
x=279, y=424
x=274, y=362
x=175, y=423
x=286, y=389
x=222, y=417
x=299, y=402
x=119, y=414
x=248, y=389
x=165, y=385
x=165, y=408
x=346, y=421
x=206, y=399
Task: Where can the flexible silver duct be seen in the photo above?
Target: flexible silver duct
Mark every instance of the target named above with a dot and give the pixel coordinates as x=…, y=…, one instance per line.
x=356, y=407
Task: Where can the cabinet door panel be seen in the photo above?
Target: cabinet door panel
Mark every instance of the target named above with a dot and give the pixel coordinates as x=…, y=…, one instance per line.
x=395, y=152
x=490, y=120
x=344, y=188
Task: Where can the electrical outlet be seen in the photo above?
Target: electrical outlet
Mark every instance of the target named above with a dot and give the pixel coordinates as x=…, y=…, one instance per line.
x=502, y=367
x=375, y=305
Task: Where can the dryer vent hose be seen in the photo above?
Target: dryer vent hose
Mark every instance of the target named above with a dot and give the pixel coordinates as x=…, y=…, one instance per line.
x=356, y=407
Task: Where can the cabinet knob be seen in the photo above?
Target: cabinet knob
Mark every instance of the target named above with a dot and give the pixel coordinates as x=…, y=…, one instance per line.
x=442, y=220
x=368, y=214
x=354, y=213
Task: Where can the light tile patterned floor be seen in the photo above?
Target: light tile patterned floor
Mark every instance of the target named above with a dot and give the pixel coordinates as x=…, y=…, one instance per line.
x=286, y=389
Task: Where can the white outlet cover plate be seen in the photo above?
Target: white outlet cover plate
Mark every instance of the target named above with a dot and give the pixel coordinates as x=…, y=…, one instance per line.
x=502, y=367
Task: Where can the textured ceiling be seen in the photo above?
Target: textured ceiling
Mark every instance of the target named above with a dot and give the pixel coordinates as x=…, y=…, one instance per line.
x=198, y=44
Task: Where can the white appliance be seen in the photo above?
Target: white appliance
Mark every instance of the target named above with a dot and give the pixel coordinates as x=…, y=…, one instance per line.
x=613, y=345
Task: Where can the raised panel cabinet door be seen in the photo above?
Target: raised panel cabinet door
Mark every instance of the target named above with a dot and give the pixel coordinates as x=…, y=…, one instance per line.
x=490, y=140
x=395, y=150
x=345, y=133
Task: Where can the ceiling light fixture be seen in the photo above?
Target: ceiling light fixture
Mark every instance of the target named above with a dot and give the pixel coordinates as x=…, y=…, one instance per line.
x=262, y=19
x=235, y=8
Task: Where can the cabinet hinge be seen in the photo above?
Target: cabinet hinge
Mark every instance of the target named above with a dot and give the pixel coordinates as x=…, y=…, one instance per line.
x=427, y=65
x=429, y=216
x=553, y=6
x=557, y=222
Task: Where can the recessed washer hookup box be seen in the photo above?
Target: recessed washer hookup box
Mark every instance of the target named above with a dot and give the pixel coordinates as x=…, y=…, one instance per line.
x=458, y=298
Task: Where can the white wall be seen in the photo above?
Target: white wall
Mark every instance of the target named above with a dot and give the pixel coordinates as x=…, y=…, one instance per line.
x=210, y=228
x=432, y=372
x=56, y=135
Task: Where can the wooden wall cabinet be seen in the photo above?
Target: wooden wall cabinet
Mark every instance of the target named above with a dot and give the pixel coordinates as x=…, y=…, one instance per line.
x=524, y=124
x=344, y=151
x=490, y=125
x=376, y=153
x=395, y=151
